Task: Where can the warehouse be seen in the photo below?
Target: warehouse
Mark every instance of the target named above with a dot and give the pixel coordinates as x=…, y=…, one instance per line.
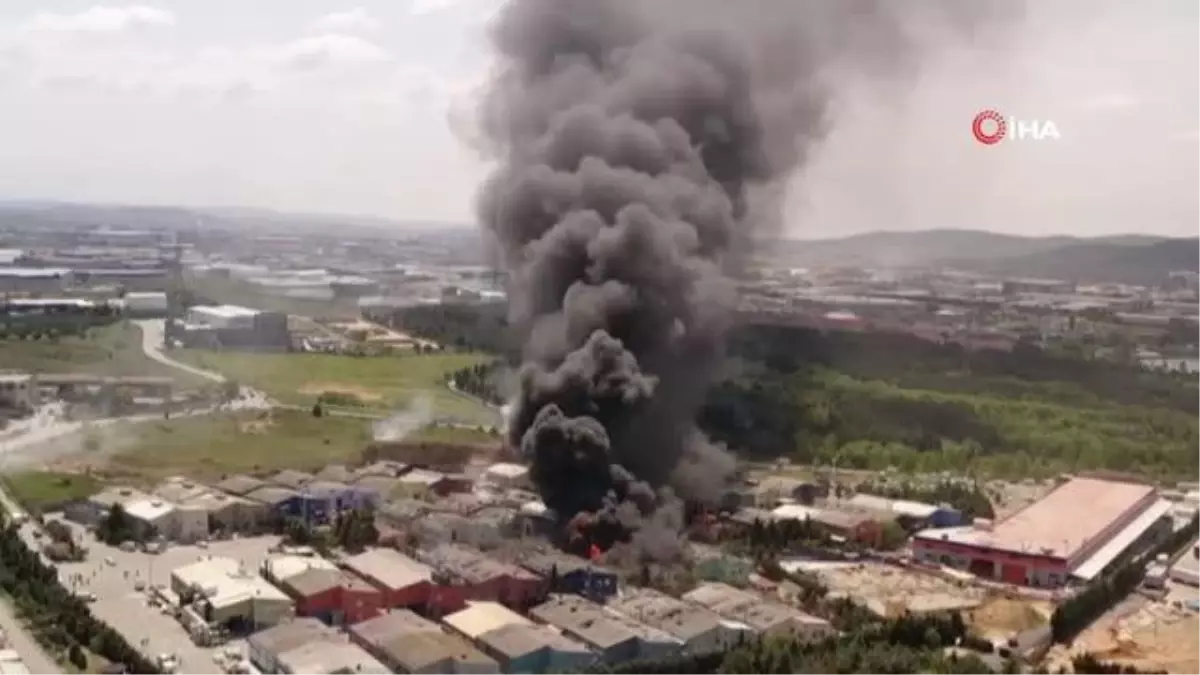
x=231, y=596
x=483, y=578
x=145, y=304
x=507, y=476
x=403, y=581
x=910, y=512
x=41, y=280
x=308, y=646
x=568, y=574
x=702, y=630
x=520, y=648
x=222, y=316
x=227, y=514
x=1045, y=543
x=437, y=653
x=154, y=517
x=481, y=617
x=239, y=484
x=333, y=596
x=761, y=615
x=614, y=637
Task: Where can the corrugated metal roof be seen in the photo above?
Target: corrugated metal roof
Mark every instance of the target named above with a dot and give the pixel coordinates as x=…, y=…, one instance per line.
x=480, y=617
x=1099, y=560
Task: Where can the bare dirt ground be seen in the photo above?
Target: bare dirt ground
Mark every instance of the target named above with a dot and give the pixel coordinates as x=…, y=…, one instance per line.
x=361, y=393
x=1151, y=636
x=889, y=590
x=1001, y=617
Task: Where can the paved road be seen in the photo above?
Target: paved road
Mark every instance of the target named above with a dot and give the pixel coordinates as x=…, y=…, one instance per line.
x=153, y=337
x=35, y=658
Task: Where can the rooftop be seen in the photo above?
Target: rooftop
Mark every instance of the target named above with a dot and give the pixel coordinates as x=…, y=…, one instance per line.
x=422, y=477
x=481, y=617
x=508, y=470
x=1060, y=524
x=239, y=484
x=337, y=473
x=223, y=580
x=516, y=640
x=594, y=625
x=749, y=608
x=1101, y=559
x=271, y=494
x=417, y=652
x=148, y=509
x=682, y=619
x=470, y=565
x=225, y=311
x=389, y=568
x=388, y=627
x=290, y=478
x=288, y=636
x=283, y=567
x=330, y=656
x=318, y=580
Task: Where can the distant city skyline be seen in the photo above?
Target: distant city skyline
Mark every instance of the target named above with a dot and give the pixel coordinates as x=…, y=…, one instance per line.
x=312, y=106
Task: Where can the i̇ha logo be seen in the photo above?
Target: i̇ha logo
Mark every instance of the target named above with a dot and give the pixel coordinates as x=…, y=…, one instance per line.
x=990, y=127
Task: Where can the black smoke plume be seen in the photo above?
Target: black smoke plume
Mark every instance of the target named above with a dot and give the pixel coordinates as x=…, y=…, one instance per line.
x=640, y=143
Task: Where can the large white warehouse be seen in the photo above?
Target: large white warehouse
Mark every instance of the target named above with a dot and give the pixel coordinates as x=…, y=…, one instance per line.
x=222, y=316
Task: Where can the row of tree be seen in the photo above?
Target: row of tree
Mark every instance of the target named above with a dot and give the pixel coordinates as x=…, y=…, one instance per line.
x=1077, y=613
x=61, y=621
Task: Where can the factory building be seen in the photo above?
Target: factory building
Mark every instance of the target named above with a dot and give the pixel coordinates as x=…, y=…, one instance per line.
x=1074, y=532
x=336, y=597
x=18, y=391
x=614, y=637
x=403, y=581
x=145, y=304
x=230, y=326
x=239, y=484
x=480, y=577
x=222, y=316
x=228, y=595
x=35, y=280
x=507, y=476
x=701, y=630
x=569, y=574
x=308, y=646
x=521, y=648
x=909, y=512
x=763, y=616
x=480, y=617
x=406, y=643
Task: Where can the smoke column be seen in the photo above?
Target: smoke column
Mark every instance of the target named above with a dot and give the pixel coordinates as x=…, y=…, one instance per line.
x=639, y=144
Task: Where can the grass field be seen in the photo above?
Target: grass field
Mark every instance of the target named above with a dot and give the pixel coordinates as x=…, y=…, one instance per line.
x=109, y=350
x=40, y=489
x=210, y=446
x=380, y=383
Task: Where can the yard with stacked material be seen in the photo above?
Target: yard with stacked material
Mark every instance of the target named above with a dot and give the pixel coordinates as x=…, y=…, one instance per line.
x=379, y=383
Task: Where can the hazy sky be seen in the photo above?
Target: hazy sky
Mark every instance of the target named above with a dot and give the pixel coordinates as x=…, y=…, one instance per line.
x=344, y=107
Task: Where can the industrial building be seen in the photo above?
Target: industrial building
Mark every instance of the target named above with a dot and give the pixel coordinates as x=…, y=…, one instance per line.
x=763, y=616
x=18, y=391
x=233, y=327
x=505, y=475
x=228, y=595
x=406, y=643
x=403, y=581
x=614, y=637
x=145, y=304
x=910, y=512
x=480, y=577
x=155, y=517
x=1074, y=532
x=701, y=630
x=521, y=648
x=36, y=280
x=569, y=574
x=334, y=596
x=481, y=617
x=239, y=484
x=308, y=646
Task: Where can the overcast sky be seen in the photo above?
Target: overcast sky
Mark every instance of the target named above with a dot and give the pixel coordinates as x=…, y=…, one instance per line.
x=313, y=105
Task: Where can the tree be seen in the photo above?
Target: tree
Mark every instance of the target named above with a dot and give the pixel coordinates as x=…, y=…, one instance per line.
x=77, y=657
x=317, y=410
x=117, y=527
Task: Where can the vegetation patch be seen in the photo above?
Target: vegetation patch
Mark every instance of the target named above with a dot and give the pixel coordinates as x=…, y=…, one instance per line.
x=383, y=382
x=114, y=350
x=46, y=490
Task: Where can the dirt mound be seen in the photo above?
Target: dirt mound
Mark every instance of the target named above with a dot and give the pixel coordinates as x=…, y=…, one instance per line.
x=1002, y=617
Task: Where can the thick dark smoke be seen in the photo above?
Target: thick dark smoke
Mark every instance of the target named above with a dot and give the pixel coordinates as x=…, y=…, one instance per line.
x=640, y=144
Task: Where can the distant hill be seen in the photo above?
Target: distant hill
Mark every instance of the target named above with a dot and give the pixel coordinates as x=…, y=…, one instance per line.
x=927, y=247
x=1144, y=264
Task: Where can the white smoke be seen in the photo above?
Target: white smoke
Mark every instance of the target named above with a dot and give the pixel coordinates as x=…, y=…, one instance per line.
x=400, y=424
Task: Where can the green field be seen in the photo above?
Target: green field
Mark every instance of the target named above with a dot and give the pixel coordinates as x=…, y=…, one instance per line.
x=41, y=489
x=378, y=383
x=210, y=446
x=109, y=350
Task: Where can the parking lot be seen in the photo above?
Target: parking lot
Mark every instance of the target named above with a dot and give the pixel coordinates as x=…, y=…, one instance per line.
x=113, y=576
